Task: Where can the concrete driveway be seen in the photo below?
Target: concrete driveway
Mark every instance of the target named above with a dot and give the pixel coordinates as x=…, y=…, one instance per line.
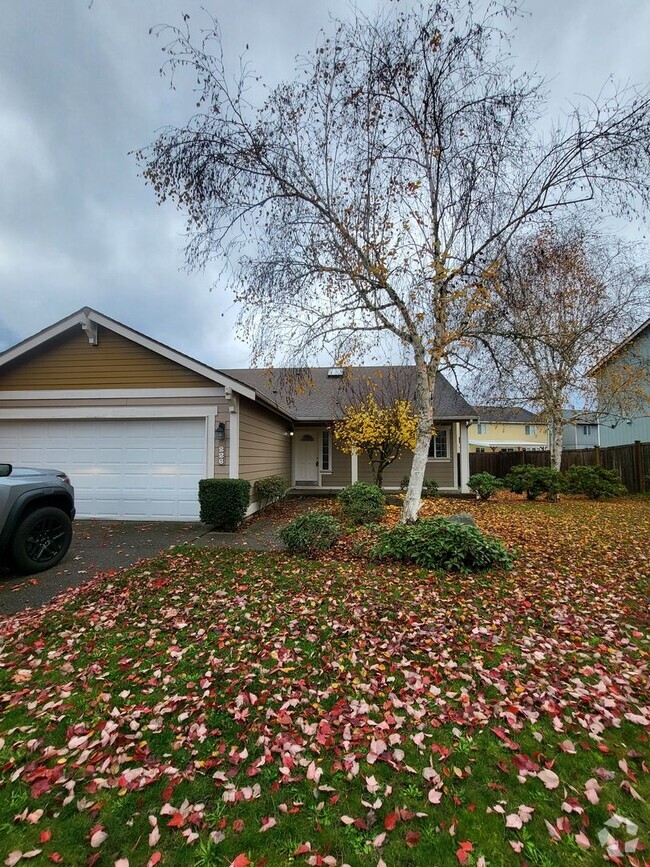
x=97, y=546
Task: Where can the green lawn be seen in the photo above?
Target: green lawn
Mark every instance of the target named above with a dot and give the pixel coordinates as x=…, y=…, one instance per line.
x=227, y=707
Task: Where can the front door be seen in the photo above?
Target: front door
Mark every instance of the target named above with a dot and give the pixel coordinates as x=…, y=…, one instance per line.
x=307, y=460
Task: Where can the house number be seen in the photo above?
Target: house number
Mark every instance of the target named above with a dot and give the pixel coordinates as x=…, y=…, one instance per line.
x=222, y=455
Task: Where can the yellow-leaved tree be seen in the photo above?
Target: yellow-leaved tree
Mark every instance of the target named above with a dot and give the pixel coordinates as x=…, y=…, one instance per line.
x=381, y=431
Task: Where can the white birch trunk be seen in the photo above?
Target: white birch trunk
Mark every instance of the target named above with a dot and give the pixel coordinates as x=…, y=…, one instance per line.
x=424, y=412
x=557, y=438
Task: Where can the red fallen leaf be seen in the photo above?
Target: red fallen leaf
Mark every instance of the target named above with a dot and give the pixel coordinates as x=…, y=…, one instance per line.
x=412, y=838
x=303, y=849
x=54, y=856
x=238, y=826
x=603, y=748
x=156, y=858
x=45, y=837
x=39, y=788
x=463, y=852
x=333, y=800
x=390, y=821
x=167, y=793
x=176, y=821
x=240, y=861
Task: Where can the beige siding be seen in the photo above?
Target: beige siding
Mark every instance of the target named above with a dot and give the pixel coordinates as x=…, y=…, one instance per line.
x=341, y=474
x=264, y=448
x=440, y=471
x=70, y=362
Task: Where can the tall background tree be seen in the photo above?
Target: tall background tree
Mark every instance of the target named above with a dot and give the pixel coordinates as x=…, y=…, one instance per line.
x=375, y=192
x=567, y=295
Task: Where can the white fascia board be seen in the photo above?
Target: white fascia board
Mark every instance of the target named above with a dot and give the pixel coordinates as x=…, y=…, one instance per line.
x=25, y=413
x=111, y=393
x=42, y=336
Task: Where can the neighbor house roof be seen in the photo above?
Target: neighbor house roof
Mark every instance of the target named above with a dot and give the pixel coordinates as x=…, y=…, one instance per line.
x=319, y=393
x=619, y=347
x=505, y=415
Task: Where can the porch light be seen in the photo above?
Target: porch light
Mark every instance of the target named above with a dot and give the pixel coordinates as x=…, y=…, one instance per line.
x=220, y=431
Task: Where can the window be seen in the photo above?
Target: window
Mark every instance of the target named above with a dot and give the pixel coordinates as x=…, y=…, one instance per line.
x=438, y=448
x=586, y=430
x=481, y=427
x=531, y=430
x=325, y=452
x=480, y=450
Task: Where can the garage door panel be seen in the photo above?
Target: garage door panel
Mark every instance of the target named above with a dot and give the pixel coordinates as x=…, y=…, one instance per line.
x=126, y=468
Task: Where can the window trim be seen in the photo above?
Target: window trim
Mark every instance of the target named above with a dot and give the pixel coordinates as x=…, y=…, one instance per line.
x=447, y=458
x=326, y=437
x=481, y=427
x=530, y=430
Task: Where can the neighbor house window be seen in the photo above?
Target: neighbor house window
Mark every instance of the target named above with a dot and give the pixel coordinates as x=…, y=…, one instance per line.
x=439, y=447
x=482, y=427
x=531, y=430
x=325, y=453
x=586, y=430
x=480, y=450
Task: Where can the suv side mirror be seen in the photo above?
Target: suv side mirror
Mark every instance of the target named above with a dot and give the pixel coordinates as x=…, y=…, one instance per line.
x=5, y=469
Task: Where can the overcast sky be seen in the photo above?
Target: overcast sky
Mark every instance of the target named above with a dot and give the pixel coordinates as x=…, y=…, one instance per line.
x=80, y=88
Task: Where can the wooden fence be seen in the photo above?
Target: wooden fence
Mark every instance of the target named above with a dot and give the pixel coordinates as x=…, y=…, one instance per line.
x=632, y=462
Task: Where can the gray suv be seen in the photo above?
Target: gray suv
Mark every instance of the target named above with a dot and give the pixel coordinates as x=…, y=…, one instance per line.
x=36, y=514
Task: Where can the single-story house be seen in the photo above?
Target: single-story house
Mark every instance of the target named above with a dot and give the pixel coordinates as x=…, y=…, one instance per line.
x=506, y=429
x=136, y=424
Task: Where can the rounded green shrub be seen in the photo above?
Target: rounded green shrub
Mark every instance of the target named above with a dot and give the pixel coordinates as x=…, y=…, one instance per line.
x=362, y=503
x=595, y=482
x=429, y=487
x=314, y=531
x=438, y=543
x=484, y=485
x=533, y=481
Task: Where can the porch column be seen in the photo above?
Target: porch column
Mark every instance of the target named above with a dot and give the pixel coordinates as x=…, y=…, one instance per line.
x=354, y=467
x=233, y=442
x=464, y=458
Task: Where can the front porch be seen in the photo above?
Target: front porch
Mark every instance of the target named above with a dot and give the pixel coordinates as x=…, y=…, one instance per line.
x=320, y=468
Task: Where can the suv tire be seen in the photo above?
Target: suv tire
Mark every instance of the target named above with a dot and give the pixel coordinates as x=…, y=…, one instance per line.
x=41, y=540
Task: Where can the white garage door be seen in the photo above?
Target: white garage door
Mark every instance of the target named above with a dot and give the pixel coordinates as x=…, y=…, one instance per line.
x=129, y=469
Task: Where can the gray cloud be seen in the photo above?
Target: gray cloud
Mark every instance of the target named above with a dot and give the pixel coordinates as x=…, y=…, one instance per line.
x=80, y=89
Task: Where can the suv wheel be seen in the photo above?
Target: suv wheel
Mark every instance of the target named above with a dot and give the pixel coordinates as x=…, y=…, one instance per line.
x=41, y=540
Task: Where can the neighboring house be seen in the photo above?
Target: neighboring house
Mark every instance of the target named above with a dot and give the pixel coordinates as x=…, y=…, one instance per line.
x=506, y=429
x=630, y=421
x=581, y=430
x=136, y=424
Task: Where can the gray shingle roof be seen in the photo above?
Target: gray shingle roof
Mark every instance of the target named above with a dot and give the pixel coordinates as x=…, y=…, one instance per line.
x=319, y=397
x=505, y=414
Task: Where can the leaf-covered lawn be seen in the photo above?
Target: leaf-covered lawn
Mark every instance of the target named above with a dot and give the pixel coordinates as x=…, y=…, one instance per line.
x=227, y=707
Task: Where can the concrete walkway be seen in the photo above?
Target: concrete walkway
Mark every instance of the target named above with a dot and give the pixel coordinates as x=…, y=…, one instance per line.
x=102, y=546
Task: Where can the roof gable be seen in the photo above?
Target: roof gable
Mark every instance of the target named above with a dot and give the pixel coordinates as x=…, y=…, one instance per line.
x=128, y=353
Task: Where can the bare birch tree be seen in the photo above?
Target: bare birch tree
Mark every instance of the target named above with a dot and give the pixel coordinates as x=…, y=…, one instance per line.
x=376, y=191
x=566, y=297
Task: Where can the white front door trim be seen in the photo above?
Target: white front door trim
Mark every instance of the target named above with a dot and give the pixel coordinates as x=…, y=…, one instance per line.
x=306, y=458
